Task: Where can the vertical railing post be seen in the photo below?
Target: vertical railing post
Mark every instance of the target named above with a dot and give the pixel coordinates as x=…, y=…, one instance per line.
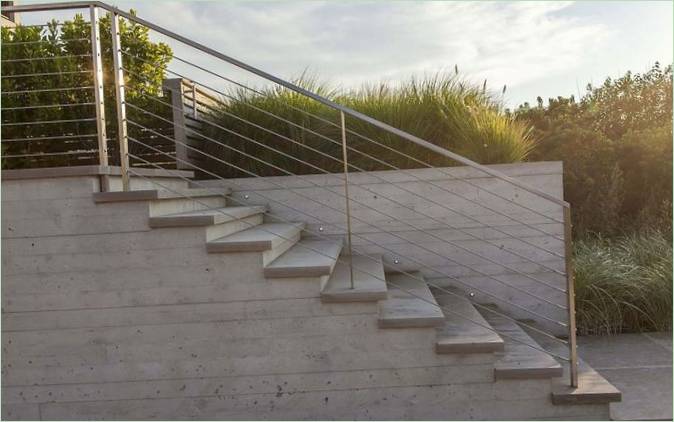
x=346, y=195
x=570, y=297
x=176, y=87
x=194, y=100
x=97, y=67
x=122, y=135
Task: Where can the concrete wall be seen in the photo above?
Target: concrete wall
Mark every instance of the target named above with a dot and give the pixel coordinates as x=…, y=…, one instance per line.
x=444, y=222
x=104, y=318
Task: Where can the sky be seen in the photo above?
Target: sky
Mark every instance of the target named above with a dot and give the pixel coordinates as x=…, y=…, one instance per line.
x=533, y=48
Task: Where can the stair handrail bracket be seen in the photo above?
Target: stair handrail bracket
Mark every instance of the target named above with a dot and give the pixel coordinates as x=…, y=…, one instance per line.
x=123, y=137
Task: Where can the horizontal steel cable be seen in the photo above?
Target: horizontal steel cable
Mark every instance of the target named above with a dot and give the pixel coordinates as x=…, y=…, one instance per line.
x=42, y=25
x=45, y=106
x=44, y=58
x=399, y=203
x=395, y=235
x=26, y=75
x=47, y=154
x=411, y=275
x=30, y=91
x=348, y=130
x=45, y=122
x=45, y=138
x=13, y=43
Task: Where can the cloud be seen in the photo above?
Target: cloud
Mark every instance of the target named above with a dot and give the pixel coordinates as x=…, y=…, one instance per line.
x=350, y=43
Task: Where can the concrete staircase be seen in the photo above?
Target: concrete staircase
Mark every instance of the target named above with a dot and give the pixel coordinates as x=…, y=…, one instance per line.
x=249, y=307
x=404, y=300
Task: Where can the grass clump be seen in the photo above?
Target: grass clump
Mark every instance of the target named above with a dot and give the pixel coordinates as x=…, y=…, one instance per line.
x=624, y=284
x=441, y=109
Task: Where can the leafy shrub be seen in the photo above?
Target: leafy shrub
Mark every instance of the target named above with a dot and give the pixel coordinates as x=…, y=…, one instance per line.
x=624, y=284
x=616, y=144
x=59, y=60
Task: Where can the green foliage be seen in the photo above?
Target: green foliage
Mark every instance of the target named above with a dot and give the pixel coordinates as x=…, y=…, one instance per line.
x=62, y=52
x=616, y=144
x=441, y=109
x=624, y=284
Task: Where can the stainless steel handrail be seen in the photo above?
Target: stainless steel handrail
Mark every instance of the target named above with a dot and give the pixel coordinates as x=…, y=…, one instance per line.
x=346, y=110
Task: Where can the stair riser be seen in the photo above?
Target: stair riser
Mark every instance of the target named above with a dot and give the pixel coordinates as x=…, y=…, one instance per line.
x=297, y=272
x=142, y=183
x=520, y=374
x=411, y=323
x=173, y=206
x=468, y=348
x=225, y=229
x=360, y=296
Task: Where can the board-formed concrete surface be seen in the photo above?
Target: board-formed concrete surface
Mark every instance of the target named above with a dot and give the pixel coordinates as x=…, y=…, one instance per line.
x=406, y=216
x=105, y=317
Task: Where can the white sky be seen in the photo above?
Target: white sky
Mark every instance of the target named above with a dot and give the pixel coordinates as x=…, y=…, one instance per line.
x=535, y=48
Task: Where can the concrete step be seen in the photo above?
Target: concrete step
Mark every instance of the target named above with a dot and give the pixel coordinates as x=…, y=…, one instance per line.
x=257, y=239
x=410, y=304
x=465, y=330
x=157, y=194
x=368, y=280
x=308, y=258
x=519, y=360
x=205, y=217
x=592, y=387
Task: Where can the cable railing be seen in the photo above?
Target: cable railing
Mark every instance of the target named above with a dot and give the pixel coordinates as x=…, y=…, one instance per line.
x=449, y=242
x=160, y=136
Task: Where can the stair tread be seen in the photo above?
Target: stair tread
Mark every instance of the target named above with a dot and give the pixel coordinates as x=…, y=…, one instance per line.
x=465, y=330
x=205, y=217
x=155, y=194
x=369, y=280
x=592, y=388
x=418, y=308
x=519, y=360
x=305, y=259
x=258, y=238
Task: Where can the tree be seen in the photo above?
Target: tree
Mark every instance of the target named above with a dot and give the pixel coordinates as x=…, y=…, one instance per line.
x=616, y=144
x=47, y=77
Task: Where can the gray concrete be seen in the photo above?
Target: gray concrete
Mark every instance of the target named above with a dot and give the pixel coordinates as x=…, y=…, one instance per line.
x=410, y=303
x=106, y=318
x=465, y=330
x=369, y=283
x=519, y=360
x=639, y=365
x=308, y=258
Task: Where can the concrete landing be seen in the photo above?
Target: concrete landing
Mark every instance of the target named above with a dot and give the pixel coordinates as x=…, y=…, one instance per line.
x=640, y=366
